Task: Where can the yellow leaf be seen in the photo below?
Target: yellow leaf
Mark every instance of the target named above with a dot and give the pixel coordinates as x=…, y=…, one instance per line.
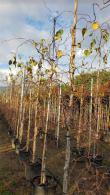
x=44, y=50
x=95, y=25
x=57, y=37
x=59, y=53
x=35, y=44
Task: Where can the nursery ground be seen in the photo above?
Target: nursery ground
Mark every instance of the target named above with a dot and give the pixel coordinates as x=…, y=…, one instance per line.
x=12, y=181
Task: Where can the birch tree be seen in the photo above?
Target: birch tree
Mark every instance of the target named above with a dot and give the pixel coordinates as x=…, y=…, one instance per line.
x=90, y=115
x=59, y=113
x=72, y=67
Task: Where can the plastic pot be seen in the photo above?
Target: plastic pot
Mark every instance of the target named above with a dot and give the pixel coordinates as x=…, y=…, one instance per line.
x=49, y=188
x=24, y=156
x=32, y=170
x=78, y=152
x=107, y=174
x=19, y=147
x=44, y=190
x=98, y=159
x=107, y=138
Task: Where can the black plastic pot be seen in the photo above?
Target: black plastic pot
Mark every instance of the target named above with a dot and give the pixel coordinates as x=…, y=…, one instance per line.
x=107, y=138
x=78, y=152
x=20, y=147
x=32, y=170
x=24, y=155
x=17, y=148
x=107, y=174
x=44, y=190
x=49, y=188
x=82, y=159
x=28, y=174
x=97, y=160
x=102, y=138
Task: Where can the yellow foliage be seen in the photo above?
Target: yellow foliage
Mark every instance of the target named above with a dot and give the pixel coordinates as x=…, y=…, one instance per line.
x=95, y=25
x=59, y=54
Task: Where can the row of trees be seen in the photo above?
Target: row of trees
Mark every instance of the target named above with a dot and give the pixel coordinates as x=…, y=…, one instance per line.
x=41, y=109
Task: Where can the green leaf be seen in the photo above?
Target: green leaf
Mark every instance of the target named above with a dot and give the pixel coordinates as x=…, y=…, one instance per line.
x=84, y=30
x=79, y=45
x=47, y=71
x=35, y=44
x=42, y=41
x=14, y=61
x=106, y=36
x=87, y=52
x=105, y=59
x=10, y=62
x=44, y=50
x=59, y=34
x=90, y=35
x=32, y=62
x=19, y=65
x=92, y=44
x=97, y=49
x=29, y=69
x=40, y=64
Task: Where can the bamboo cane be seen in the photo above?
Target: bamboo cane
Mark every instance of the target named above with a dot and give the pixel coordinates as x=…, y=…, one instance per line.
x=80, y=119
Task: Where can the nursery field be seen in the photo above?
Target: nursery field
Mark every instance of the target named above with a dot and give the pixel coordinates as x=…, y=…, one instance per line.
x=55, y=98
x=86, y=176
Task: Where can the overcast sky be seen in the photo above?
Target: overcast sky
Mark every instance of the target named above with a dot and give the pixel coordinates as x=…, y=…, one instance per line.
x=33, y=19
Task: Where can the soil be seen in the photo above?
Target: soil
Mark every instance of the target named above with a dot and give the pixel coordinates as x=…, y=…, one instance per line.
x=12, y=181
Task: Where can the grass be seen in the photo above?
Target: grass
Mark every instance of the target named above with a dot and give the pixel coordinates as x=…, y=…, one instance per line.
x=6, y=193
x=2, y=186
x=3, y=190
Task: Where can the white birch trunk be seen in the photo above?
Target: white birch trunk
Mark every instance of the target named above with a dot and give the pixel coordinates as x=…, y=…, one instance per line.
x=90, y=116
x=20, y=121
x=73, y=51
x=66, y=167
x=43, y=169
x=29, y=123
x=35, y=125
x=59, y=113
x=22, y=125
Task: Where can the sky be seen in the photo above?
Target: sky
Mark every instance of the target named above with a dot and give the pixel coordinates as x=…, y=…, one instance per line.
x=32, y=19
